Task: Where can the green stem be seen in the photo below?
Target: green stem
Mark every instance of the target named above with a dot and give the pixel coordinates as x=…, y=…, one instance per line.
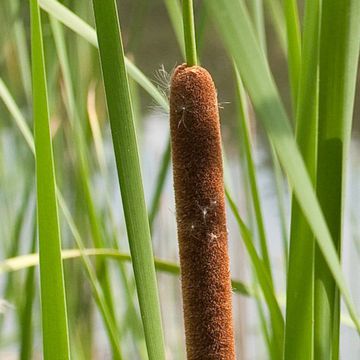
x=189, y=33
x=340, y=29
x=244, y=127
x=174, y=11
x=53, y=301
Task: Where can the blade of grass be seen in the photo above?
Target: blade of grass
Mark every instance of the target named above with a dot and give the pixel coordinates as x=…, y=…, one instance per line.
x=259, y=24
x=26, y=316
x=132, y=320
x=299, y=332
x=95, y=286
x=255, y=199
x=240, y=93
x=16, y=114
x=174, y=10
x=25, y=261
x=340, y=40
x=293, y=46
x=277, y=17
x=277, y=320
x=281, y=200
x=250, y=217
x=259, y=27
x=53, y=304
x=254, y=69
x=160, y=182
x=129, y=173
x=22, y=50
x=17, y=227
x=265, y=330
x=257, y=10
x=201, y=24
x=96, y=130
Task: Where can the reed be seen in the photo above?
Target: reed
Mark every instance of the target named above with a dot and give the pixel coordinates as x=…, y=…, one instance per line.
x=200, y=214
x=53, y=302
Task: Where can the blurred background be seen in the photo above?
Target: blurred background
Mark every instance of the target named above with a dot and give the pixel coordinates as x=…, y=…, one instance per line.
x=150, y=42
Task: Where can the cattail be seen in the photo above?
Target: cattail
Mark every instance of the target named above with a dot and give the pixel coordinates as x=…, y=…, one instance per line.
x=200, y=213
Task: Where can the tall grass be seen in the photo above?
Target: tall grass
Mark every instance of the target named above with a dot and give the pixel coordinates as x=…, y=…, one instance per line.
x=54, y=316
x=71, y=127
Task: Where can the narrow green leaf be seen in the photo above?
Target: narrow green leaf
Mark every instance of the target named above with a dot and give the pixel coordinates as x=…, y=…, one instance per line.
x=299, y=332
x=240, y=92
x=160, y=182
x=26, y=316
x=127, y=161
x=339, y=52
x=95, y=286
x=277, y=320
x=277, y=17
x=174, y=11
x=257, y=10
x=53, y=305
x=293, y=45
x=281, y=200
x=17, y=226
x=25, y=261
x=22, y=49
x=259, y=26
x=16, y=114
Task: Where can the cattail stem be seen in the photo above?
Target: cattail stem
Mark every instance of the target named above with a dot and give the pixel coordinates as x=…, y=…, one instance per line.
x=189, y=33
x=200, y=212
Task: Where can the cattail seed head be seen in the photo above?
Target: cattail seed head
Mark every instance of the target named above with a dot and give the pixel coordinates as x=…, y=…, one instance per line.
x=200, y=213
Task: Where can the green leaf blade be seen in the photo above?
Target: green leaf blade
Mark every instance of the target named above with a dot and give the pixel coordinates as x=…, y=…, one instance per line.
x=340, y=39
x=129, y=173
x=263, y=277
x=53, y=304
x=299, y=330
x=293, y=45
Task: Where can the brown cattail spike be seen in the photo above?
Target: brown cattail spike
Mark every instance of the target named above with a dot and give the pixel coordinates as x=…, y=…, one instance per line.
x=200, y=213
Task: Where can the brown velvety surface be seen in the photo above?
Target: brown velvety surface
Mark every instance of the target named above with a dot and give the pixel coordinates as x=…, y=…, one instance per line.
x=200, y=213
